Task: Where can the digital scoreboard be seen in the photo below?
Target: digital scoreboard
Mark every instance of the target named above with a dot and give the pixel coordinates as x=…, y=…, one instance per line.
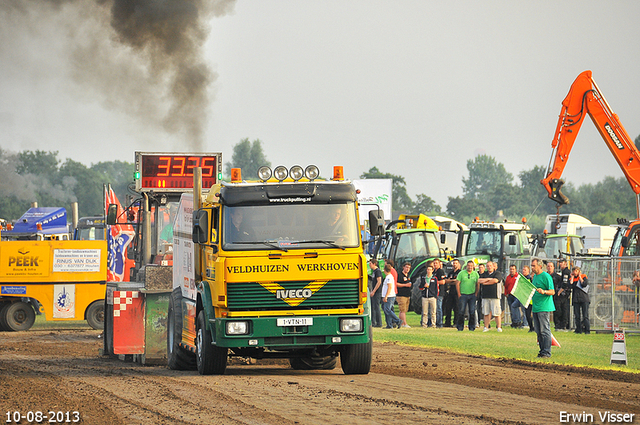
x=173, y=172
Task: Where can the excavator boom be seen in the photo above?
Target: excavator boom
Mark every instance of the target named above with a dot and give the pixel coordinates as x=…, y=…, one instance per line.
x=583, y=98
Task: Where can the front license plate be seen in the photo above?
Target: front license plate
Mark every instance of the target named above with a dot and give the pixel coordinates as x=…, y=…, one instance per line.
x=295, y=321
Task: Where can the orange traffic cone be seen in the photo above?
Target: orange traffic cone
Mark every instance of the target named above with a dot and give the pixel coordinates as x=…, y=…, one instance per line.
x=554, y=341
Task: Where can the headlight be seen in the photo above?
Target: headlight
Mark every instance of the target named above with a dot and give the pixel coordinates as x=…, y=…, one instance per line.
x=237, y=328
x=280, y=172
x=351, y=325
x=312, y=172
x=264, y=173
x=296, y=172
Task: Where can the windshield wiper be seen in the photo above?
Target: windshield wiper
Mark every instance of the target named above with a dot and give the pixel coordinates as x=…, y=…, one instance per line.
x=330, y=243
x=272, y=244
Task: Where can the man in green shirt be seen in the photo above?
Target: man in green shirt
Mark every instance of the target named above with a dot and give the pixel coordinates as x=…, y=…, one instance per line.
x=542, y=305
x=467, y=287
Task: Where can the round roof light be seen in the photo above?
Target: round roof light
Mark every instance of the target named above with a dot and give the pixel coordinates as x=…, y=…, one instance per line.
x=312, y=172
x=280, y=172
x=296, y=172
x=264, y=173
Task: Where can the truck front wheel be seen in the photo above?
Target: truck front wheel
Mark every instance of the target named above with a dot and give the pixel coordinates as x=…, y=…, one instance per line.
x=356, y=358
x=210, y=359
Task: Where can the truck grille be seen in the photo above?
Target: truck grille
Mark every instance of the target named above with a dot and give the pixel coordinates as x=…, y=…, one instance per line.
x=253, y=296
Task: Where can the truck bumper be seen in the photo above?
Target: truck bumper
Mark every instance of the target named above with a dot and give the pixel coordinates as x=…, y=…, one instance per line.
x=269, y=333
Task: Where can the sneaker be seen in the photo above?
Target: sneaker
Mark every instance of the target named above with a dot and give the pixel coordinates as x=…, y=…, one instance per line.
x=499, y=329
x=544, y=356
x=486, y=330
x=406, y=326
x=388, y=327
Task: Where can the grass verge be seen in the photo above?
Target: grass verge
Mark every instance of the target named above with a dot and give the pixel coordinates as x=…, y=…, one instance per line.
x=593, y=350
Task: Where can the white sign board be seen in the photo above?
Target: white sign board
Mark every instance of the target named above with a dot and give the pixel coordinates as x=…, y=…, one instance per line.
x=183, y=249
x=374, y=191
x=76, y=260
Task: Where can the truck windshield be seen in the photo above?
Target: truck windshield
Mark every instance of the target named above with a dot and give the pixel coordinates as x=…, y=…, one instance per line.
x=484, y=242
x=291, y=226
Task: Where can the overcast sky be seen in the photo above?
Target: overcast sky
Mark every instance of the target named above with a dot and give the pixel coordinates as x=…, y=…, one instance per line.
x=415, y=88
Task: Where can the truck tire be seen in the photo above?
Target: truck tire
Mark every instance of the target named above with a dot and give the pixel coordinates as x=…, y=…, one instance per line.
x=3, y=322
x=19, y=316
x=313, y=363
x=356, y=358
x=210, y=359
x=95, y=315
x=178, y=358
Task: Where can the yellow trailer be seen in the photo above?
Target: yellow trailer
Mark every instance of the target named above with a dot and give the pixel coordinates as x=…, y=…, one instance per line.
x=64, y=280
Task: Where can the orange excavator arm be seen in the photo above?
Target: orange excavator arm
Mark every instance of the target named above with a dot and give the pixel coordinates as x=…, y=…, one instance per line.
x=585, y=98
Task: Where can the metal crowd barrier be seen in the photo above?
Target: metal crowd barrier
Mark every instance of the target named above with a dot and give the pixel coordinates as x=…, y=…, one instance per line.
x=614, y=296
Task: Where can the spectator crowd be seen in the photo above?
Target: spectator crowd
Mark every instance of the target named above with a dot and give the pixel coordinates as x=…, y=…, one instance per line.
x=482, y=296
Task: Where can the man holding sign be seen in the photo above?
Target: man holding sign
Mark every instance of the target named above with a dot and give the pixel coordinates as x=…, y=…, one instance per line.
x=542, y=305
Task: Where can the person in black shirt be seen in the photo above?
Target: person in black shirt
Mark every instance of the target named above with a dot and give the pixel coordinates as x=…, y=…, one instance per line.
x=491, y=288
x=557, y=284
x=440, y=275
x=404, y=293
x=580, y=288
x=375, y=288
x=562, y=297
x=450, y=301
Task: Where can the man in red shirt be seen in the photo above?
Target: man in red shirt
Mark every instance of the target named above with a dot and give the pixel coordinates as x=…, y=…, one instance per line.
x=516, y=317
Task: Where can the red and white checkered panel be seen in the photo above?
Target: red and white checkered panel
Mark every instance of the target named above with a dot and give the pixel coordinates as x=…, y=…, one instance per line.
x=128, y=322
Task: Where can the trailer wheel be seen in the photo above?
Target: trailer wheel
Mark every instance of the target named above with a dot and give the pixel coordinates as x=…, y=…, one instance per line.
x=178, y=358
x=313, y=363
x=3, y=322
x=602, y=308
x=19, y=316
x=356, y=358
x=211, y=359
x=95, y=315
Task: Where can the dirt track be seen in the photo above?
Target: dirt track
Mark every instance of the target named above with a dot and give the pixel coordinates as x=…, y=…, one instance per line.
x=62, y=371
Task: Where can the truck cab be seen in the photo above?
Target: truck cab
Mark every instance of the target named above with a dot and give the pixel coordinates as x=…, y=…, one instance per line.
x=490, y=241
x=279, y=273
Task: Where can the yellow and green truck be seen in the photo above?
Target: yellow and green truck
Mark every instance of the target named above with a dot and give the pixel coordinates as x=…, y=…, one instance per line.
x=270, y=269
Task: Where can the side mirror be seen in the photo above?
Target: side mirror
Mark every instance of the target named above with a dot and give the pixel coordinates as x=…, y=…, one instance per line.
x=112, y=214
x=625, y=242
x=512, y=239
x=376, y=222
x=200, y=229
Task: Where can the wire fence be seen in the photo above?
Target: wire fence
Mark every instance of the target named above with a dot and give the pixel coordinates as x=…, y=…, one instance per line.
x=614, y=296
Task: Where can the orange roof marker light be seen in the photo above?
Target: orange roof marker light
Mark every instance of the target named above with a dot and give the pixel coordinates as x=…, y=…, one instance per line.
x=338, y=173
x=236, y=175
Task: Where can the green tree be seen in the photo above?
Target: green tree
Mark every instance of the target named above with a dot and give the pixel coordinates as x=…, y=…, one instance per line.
x=38, y=162
x=249, y=157
x=401, y=200
x=425, y=205
x=484, y=173
x=117, y=173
